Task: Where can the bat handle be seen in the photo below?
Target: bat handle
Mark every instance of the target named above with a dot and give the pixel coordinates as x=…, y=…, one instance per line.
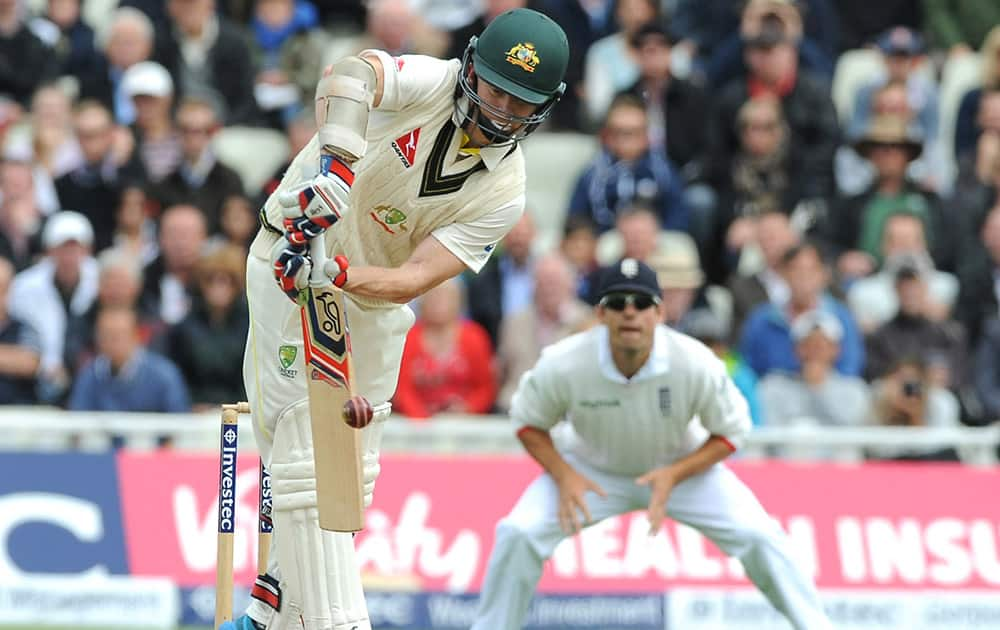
x=317, y=252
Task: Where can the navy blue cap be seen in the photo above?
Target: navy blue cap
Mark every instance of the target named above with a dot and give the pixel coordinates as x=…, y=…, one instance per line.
x=901, y=40
x=629, y=276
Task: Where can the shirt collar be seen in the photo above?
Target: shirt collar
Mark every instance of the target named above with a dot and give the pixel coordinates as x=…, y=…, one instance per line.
x=658, y=362
x=103, y=365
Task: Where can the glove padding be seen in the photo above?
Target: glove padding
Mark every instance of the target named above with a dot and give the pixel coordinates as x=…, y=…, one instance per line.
x=292, y=266
x=320, y=203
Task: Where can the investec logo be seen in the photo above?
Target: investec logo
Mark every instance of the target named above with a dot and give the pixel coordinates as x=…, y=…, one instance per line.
x=227, y=481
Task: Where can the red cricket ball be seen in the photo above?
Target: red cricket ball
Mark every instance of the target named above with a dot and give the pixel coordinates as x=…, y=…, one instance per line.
x=358, y=412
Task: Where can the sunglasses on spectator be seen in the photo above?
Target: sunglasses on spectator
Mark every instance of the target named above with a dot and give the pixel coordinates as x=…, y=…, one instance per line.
x=619, y=301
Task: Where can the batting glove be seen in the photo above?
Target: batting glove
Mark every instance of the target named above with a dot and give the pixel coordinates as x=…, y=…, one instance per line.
x=310, y=210
x=291, y=266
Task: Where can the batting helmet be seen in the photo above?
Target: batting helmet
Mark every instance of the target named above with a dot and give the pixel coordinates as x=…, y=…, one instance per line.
x=524, y=53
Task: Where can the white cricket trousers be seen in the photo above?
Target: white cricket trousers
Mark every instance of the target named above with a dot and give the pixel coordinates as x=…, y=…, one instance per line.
x=716, y=503
x=275, y=372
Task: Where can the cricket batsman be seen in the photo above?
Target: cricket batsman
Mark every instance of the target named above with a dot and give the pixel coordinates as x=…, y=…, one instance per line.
x=652, y=415
x=414, y=175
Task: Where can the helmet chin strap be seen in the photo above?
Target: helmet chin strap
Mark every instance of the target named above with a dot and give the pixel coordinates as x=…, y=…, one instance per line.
x=471, y=113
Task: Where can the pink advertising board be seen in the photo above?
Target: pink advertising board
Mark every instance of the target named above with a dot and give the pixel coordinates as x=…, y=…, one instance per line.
x=871, y=526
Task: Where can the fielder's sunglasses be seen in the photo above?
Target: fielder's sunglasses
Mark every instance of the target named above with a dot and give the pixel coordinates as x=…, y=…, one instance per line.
x=618, y=301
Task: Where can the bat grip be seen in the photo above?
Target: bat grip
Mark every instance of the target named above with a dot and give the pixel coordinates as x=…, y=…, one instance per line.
x=317, y=252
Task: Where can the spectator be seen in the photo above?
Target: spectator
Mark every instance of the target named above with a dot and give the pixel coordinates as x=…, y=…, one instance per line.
x=70, y=39
x=200, y=180
x=56, y=291
x=766, y=341
x=579, y=248
x=54, y=146
x=208, y=344
x=157, y=142
x=861, y=21
x=626, y=172
x=873, y=299
x=678, y=271
x=25, y=62
x=986, y=370
x=20, y=218
x=125, y=376
x=805, y=101
x=135, y=232
x=210, y=59
x=918, y=330
x=447, y=364
x=237, y=222
x=170, y=279
x=20, y=349
x=816, y=394
x=119, y=286
x=639, y=228
x=506, y=283
x=94, y=188
x=978, y=177
x=126, y=40
x=555, y=313
x=711, y=330
x=903, y=54
x=611, y=63
x=906, y=398
x=773, y=236
x=765, y=175
x=288, y=50
x=676, y=106
x=854, y=173
x=858, y=225
x=960, y=27
x=971, y=117
x=812, y=44
x=977, y=296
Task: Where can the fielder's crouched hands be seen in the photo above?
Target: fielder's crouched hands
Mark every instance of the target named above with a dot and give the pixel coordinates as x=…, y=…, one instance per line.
x=291, y=266
x=320, y=203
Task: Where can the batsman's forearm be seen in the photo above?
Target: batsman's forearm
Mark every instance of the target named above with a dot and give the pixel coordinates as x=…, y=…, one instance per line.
x=539, y=445
x=383, y=283
x=714, y=450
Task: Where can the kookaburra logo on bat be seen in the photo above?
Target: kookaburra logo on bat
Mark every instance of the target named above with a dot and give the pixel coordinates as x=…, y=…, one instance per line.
x=331, y=325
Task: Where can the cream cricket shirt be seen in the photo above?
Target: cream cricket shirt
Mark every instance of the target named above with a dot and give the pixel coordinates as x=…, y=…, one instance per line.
x=414, y=181
x=631, y=426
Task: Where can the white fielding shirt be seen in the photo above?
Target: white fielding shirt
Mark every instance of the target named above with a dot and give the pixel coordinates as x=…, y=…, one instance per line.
x=680, y=397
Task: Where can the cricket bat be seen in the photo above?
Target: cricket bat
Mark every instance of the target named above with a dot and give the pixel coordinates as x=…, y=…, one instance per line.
x=336, y=446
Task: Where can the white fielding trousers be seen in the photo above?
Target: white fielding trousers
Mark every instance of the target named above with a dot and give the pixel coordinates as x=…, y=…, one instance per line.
x=716, y=503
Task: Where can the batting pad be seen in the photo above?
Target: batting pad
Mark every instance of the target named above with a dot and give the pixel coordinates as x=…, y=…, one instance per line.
x=318, y=568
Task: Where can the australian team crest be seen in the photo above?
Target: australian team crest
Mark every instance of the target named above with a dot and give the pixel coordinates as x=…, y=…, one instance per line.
x=391, y=219
x=524, y=56
x=286, y=356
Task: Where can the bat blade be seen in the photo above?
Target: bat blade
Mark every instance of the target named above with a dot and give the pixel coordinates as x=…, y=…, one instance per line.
x=336, y=446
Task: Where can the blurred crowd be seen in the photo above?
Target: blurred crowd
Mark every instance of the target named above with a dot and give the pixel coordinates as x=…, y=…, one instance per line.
x=821, y=209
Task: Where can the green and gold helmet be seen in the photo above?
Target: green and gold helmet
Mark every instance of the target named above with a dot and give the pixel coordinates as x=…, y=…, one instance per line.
x=524, y=53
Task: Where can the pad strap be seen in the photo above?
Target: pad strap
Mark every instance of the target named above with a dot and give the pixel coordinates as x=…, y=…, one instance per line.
x=267, y=591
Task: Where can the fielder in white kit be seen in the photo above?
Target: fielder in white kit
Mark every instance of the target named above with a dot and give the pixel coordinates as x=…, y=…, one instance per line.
x=653, y=415
x=414, y=176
